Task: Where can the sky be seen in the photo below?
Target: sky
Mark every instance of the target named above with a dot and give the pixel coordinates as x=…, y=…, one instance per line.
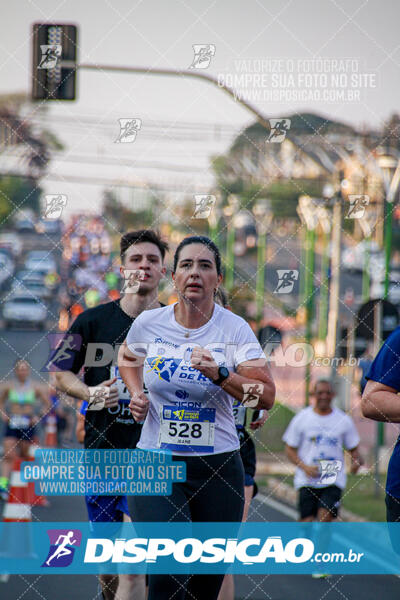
x=339, y=58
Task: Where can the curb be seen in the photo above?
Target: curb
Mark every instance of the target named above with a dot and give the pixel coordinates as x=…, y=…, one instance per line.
x=287, y=493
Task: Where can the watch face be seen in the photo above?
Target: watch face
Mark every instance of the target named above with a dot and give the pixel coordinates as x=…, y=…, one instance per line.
x=223, y=372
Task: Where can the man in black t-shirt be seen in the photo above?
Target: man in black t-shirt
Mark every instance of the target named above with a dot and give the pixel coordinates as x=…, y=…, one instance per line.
x=92, y=342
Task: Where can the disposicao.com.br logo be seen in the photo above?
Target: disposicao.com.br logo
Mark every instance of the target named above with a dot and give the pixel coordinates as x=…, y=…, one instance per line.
x=62, y=547
x=192, y=550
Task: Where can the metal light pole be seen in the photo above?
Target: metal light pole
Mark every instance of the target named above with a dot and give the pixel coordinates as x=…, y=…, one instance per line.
x=333, y=314
x=366, y=227
x=263, y=217
x=390, y=167
x=325, y=223
x=308, y=214
x=229, y=212
x=213, y=222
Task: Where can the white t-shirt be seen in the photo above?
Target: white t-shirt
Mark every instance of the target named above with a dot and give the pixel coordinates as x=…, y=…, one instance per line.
x=188, y=413
x=320, y=440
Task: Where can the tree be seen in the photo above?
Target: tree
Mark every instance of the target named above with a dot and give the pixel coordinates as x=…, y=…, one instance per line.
x=21, y=190
x=18, y=193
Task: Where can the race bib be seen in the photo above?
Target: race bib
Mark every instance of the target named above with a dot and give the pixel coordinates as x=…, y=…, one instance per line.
x=19, y=422
x=186, y=429
x=239, y=414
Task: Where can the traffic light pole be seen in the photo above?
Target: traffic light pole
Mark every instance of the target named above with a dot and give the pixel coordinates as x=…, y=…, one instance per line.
x=192, y=73
x=309, y=301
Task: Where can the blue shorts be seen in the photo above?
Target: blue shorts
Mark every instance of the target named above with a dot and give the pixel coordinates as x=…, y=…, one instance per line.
x=107, y=509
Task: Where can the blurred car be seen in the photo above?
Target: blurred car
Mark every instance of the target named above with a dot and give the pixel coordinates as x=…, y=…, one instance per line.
x=353, y=259
x=23, y=309
x=24, y=221
x=7, y=267
x=49, y=227
x=31, y=283
x=41, y=261
x=25, y=226
x=12, y=243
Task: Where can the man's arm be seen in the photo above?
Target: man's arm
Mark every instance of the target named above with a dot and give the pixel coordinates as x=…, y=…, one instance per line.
x=380, y=402
x=70, y=383
x=130, y=368
x=309, y=470
x=356, y=459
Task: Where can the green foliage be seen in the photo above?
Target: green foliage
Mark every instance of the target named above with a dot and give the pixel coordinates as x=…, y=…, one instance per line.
x=284, y=195
x=122, y=217
x=18, y=193
x=360, y=497
x=269, y=438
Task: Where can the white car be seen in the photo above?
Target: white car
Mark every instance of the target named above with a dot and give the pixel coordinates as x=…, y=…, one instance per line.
x=40, y=260
x=11, y=242
x=6, y=268
x=45, y=226
x=353, y=259
x=31, y=285
x=23, y=309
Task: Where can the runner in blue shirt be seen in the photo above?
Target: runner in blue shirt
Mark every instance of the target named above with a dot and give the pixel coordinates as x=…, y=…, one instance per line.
x=380, y=402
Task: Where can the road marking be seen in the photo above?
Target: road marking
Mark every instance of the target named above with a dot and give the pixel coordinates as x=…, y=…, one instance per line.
x=286, y=510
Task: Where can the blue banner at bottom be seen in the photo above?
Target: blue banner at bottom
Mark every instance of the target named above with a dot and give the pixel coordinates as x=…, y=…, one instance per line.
x=248, y=548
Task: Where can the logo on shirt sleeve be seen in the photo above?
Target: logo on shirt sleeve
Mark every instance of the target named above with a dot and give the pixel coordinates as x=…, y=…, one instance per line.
x=62, y=351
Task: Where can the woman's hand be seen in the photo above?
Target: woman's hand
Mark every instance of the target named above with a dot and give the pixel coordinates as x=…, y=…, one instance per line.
x=202, y=360
x=139, y=406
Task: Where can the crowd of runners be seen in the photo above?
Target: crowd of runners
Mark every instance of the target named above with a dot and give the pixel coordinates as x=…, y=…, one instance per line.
x=195, y=355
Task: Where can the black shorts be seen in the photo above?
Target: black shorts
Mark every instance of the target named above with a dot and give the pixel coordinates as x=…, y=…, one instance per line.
x=248, y=456
x=25, y=434
x=311, y=499
x=213, y=492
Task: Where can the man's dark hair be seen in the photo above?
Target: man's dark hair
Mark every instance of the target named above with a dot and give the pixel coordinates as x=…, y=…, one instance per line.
x=324, y=381
x=199, y=239
x=142, y=235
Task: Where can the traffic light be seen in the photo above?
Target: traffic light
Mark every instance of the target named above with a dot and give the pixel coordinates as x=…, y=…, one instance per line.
x=51, y=45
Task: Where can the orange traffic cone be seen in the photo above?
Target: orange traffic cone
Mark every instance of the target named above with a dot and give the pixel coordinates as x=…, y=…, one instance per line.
x=32, y=497
x=17, y=508
x=51, y=432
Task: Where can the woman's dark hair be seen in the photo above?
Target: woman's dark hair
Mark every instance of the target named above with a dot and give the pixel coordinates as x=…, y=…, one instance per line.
x=142, y=235
x=221, y=297
x=199, y=239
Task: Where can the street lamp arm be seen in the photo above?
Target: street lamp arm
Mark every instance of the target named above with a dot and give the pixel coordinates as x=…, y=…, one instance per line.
x=185, y=73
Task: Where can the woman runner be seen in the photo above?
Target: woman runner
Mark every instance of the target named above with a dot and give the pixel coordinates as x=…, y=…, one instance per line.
x=199, y=357
x=23, y=403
